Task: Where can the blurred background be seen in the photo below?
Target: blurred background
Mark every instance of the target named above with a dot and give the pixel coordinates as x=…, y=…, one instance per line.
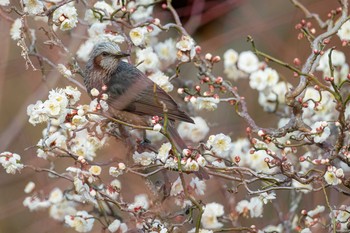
x=216, y=25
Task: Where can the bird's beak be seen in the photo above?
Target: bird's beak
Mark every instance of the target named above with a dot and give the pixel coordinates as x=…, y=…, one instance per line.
x=122, y=54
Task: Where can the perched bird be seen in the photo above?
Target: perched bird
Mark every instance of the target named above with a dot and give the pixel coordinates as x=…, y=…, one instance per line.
x=132, y=96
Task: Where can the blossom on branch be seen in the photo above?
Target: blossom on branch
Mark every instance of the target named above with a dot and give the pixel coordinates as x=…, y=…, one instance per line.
x=81, y=221
x=11, y=162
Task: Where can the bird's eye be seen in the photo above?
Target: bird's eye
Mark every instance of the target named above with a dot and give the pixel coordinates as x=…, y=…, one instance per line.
x=104, y=53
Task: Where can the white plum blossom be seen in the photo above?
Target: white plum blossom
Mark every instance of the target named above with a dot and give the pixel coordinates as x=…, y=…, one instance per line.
x=116, y=184
x=333, y=175
x=338, y=59
x=256, y=161
x=66, y=16
x=176, y=187
x=37, y=113
x=341, y=217
x=248, y=62
x=211, y=212
x=321, y=131
x=323, y=109
x=242, y=207
x=195, y=132
x=94, y=92
x=304, y=188
x=34, y=203
x=148, y=59
x=258, y=80
x=268, y=101
x=230, y=65
x=157, y=127
x=198, y=185
x=16, y=29
x=64, y=71
x=143, y=10
x=218, y=163
x=95, y=170
x=102, y=8
x=186, y=49
x=162, y=81
x=33, y=7
x=85, y=49
x=272, y=77
x=319, y=209
x=98, y=103
x=265, y=197
x=341, y=68
x=53, y=107
x=59, y=210
x=60, y=96
x=115, y=171
x=234, y=73
x=312, y=214
x=82, y=221
x=171, y=163
x=56, y=196
x=219, y=143
x=97, y=29
x=274, y=95
x=163, y=152
x=344, y=31
x=190, y=165
x=240, y=148
x=166, y=51
x=83, y=191
x=140, y=201
x=86, y=145
x=117, y=225
x=144, y=158
x=138, y=35
x=79, y=120
x=185, y=44
x=230, y=58
x=207, y=103
x=255, y=207
x=11, y=162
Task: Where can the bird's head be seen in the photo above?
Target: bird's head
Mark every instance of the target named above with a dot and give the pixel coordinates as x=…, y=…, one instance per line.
x=106, y=55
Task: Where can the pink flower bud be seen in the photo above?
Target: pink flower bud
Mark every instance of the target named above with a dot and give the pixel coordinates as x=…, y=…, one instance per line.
x=237, y=159
x=198, y=49
x=219, y=80
x=297, y=61
x=216, y=59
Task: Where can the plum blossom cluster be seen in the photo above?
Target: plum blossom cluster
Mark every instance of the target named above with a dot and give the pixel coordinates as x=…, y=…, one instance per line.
x=69, y=125
x=254, y=207
x=11, y=162
x=190, y=161
x=64, y=206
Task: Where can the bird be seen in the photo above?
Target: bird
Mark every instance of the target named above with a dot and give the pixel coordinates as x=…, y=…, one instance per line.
x=132, y=96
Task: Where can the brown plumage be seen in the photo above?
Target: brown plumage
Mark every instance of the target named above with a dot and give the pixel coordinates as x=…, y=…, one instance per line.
x=132, y=96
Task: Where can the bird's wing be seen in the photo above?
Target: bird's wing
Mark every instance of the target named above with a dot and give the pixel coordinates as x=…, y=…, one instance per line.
x=141, y=95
